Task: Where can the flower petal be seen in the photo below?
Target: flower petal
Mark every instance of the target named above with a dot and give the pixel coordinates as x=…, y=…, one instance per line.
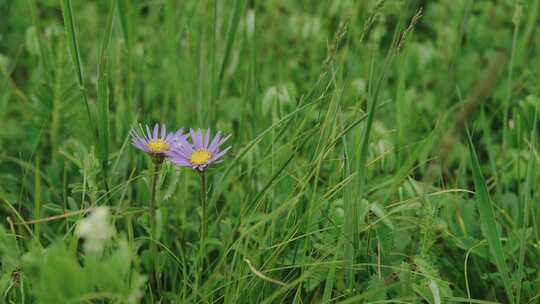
x=156, y=130
x=196, y=139
x=163, y=131
x=181, y=162
x=200, y=138
x=220, y=154
x=206, y=139
x=222, y=141
x=214, y=144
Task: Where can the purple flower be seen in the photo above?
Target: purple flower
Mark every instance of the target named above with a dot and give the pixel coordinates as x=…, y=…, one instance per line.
x=158, y=142
x=201, y=153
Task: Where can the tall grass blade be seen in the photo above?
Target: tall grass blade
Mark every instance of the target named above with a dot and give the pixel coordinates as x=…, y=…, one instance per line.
x=37, y=198
x=124, y=13
x=526, y=208
x=103, y=98
x=488, y=221
x=516, y=20
x=71, y=32
x=233, y=27
x=350, y=222
x=361, y=159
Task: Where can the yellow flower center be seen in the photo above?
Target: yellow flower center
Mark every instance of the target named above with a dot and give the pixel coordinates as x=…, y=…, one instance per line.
x=200, y=157
x=156, y=146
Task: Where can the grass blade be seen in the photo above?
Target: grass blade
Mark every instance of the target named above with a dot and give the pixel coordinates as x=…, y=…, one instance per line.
x=350, y=228
x=488, y=221
x=233, y=27
x=69, y=24
x=351, y=222
x=526, y=202
x=103, y=98
x=37, y=198
x=124, y=11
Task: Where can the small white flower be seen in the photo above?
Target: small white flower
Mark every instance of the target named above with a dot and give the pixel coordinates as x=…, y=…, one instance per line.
x=96, y=230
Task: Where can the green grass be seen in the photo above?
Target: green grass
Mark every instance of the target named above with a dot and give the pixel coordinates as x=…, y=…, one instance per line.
x=382, y=151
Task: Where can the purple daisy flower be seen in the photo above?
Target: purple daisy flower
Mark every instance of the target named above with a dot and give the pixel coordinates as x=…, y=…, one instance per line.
x=158, y=142
x=201, y=153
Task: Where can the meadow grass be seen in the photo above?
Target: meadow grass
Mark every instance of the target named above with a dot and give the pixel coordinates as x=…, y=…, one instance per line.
x=382, y=151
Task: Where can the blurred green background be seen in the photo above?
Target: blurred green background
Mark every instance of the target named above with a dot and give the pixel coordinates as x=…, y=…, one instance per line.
x=351, y=178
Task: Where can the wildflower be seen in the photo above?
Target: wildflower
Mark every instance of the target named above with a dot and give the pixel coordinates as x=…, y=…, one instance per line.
x=96, y=230
x=156, y=143
x=201, y=153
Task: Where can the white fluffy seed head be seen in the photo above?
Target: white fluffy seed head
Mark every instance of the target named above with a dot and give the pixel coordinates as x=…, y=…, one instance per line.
x=96, y=230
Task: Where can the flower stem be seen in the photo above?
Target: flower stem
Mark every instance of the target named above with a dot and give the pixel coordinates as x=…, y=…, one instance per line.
x=204, y=223
x=153, y=230
x=204, y=203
